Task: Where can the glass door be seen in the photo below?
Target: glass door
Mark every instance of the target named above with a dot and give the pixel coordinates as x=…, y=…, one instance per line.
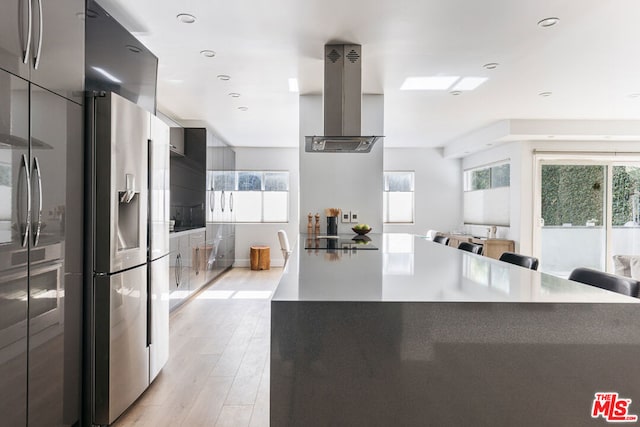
x=573, y=217
x=588, y=214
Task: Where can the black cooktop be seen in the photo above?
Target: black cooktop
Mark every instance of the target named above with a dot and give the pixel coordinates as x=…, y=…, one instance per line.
x=358, y=243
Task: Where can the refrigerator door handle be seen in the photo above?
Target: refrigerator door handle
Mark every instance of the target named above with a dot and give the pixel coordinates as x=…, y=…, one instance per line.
x=212, y=200
x=231, y=201
x=36, y=235
x=39, y=50
x=27, y=224
x=222, y=201
x=27, y=48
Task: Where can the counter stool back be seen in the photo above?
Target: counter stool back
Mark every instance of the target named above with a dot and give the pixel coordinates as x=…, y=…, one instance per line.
x=470, y=247
x=522, y=260
x=284, y=245
x=441, y=239
x=611, y=282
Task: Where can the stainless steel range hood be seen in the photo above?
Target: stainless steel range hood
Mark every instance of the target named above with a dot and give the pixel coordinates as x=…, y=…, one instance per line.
x=342, y=104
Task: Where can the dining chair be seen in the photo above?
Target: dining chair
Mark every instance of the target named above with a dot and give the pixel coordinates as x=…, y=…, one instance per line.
x=611, y=282
x=470, y=247
x=521, y=260
x=284, y=245
x=441, y=239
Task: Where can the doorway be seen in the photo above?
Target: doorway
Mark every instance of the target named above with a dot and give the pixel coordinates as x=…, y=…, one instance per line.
x=587, y=209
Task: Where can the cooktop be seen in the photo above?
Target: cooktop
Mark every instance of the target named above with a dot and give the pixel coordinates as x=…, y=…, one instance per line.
x=358, y=243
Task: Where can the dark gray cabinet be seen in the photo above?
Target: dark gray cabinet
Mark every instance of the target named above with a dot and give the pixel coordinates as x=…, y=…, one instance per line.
x=43, y=41
x=41, y=176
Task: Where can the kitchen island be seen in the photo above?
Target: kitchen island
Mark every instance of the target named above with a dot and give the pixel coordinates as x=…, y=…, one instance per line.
x=417, y=333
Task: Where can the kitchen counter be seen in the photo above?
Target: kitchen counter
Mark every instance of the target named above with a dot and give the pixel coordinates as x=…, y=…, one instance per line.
x=178, y=230
x=420, y=333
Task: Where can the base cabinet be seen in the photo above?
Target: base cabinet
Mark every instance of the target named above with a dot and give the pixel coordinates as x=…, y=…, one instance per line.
x=178, y=270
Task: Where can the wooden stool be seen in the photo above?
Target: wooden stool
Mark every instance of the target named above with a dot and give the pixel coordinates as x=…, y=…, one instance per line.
x=260, y=258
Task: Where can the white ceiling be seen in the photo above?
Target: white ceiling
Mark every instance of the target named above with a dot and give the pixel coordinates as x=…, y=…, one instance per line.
x=590, y=61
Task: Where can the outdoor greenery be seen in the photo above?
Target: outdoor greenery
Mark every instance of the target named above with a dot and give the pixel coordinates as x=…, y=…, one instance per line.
x=490, y=177
x=576, y=194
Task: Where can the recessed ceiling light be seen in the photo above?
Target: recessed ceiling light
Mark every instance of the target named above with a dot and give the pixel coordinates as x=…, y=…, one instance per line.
x=134, y=49
x=634, y=95
x=455, y=92
x=548, y=22
x=243, y=108
x=545, y=94
x=466, y=152
x=469, y=83
x=186, y=18
x=223, y=77
x=489, y=144
x=293, y=85
x=207, y=53
x=491, y=65
x=234, y=95
x=429, y=83
x=107, y=74
x=551, y=136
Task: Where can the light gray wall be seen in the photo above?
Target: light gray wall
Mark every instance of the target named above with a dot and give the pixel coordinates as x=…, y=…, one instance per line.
x=349, y=181
x=281, y=159
x=438, y=188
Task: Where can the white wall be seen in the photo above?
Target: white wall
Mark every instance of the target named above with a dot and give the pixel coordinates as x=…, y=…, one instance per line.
x=282, y=159
x=438, y=188
x=351, y=181
x=520, y=191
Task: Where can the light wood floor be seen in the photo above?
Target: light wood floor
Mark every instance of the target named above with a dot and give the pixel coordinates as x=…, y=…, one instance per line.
x=218, y=370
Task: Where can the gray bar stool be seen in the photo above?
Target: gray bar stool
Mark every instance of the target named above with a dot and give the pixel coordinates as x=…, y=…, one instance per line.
x=522, y=260
x=441, y=239
x=611, y=282
x=470, y=247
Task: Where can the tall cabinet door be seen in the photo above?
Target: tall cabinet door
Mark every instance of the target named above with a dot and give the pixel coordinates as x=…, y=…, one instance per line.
x=55, y=257
x=14, y=26
x=57, y=51
x=14, y=166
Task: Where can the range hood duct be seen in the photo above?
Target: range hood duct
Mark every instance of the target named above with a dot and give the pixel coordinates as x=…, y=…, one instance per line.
x=342, y=103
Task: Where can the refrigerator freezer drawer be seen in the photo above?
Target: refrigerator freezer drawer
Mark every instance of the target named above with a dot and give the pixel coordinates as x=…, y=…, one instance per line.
x=121, y=356
x=159, y=318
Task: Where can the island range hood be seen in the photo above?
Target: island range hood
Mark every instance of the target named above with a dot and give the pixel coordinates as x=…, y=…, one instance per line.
x=342, y=103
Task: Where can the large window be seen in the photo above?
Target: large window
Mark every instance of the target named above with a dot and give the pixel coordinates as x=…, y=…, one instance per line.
x=249, y=196
x=487, y=195
x=398, y=197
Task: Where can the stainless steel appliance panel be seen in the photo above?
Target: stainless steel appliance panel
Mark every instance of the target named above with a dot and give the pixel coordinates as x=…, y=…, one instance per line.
x=57, y=51
x=158, y=189
x=14, y=218
x=121, y=355
x=121, y=140
x=159, y=315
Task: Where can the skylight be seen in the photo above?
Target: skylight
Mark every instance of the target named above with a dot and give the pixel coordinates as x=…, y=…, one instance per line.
x=429, y=83
x=469, y=83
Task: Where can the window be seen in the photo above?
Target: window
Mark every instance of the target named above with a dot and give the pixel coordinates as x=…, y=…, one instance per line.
x=249, y=196
x=487, y=177
x=487, y=195
x=398, y=197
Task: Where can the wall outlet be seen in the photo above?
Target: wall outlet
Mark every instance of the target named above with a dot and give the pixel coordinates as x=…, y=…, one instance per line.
x=355, y=217
x=346, y=216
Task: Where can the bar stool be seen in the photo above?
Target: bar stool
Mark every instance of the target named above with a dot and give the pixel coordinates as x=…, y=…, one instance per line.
x=441, y=239
x=522, y=260
x=611, y=282
x=470, y=247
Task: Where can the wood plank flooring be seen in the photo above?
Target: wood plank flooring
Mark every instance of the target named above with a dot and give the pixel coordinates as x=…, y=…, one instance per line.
x=218, y=369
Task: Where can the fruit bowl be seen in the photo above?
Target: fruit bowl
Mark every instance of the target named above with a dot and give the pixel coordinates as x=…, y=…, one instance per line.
x=361, y=231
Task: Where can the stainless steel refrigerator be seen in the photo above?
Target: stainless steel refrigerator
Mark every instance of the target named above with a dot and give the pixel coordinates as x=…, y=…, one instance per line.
x=130, y=271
